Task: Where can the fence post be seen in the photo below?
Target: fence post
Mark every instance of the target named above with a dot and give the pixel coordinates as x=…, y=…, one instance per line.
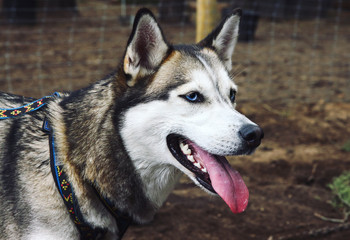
x=206, y=19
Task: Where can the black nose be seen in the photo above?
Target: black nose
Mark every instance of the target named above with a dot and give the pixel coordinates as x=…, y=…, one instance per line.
x=252, y=134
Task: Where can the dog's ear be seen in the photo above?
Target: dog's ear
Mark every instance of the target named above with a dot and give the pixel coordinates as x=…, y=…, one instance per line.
x=223, y=39
x=146, y=47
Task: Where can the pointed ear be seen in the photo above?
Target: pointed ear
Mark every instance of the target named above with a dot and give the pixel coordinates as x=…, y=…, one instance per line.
x=146, y=47
x=223, y=39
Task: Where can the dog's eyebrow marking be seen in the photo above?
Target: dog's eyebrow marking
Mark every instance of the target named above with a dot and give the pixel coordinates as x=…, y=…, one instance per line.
x=207, y=67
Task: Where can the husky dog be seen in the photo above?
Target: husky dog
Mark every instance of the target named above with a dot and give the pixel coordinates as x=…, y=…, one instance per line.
x=165, y=111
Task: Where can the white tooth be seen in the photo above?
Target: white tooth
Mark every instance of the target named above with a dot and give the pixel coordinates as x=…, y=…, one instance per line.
x=182, y=145
x=186, y=150
x=190, y=157
x=198, y=165
x=204, y=169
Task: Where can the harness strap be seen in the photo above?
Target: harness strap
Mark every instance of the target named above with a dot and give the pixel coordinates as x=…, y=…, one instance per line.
x=64, y=187
x=30, y=107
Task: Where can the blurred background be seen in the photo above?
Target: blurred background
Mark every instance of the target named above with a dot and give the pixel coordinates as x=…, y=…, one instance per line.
x=292, y=65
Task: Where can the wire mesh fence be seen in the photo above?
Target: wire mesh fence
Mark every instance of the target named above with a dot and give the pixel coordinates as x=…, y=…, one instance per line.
x=289, y=50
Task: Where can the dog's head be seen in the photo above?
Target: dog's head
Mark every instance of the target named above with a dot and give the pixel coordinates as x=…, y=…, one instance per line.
x=182, y=107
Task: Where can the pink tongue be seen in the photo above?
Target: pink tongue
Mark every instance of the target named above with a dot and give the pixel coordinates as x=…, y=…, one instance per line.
x=226, y=181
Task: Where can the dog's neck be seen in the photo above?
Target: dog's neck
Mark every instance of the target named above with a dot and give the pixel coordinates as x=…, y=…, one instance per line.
x=158, y=179
x=138, y=186
x=96, y=153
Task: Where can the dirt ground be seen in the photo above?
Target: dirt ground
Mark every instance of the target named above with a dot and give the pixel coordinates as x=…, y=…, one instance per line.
x=294, y=85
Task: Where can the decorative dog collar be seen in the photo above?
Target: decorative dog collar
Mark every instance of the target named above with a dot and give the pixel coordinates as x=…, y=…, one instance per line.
x=30, y=107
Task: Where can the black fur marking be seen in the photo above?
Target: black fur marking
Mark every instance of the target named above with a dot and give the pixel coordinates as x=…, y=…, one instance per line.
x=188, y=49
x=9, y=168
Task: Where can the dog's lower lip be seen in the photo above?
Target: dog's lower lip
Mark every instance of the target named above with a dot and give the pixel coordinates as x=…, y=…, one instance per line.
x=206, y=185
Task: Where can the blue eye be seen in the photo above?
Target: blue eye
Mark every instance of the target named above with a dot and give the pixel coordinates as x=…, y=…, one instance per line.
x=232, y=95
x=194, y=97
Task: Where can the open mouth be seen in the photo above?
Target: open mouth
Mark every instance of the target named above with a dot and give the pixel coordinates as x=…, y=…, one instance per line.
x=184, y=152
x=211, y=171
